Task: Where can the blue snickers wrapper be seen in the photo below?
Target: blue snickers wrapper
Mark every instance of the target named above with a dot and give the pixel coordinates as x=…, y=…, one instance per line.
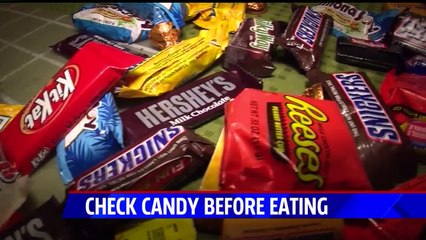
x=96, y=137
x=112, y=22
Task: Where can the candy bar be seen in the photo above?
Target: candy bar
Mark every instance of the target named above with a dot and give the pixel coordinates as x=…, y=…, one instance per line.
x=382, y=148
x=70, y=45
x=190, y=105
x=62, y=103
x=162, y=161
x=252, y=45
x=410, y=32
x=7, y=112
x=96, y=137
x=279, y=142
x=305, y=36
x=112, y=22
x=350, y=21
x=44, y=223
x=368, y=54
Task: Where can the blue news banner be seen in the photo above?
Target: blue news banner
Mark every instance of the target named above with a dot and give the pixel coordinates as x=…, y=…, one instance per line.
x=244, y=205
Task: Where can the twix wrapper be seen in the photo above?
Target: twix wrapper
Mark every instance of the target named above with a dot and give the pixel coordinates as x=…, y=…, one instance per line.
x=58, y=106
x=176, y=64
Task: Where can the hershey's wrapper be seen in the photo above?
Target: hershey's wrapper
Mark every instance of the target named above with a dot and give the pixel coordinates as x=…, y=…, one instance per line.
x=190, y=105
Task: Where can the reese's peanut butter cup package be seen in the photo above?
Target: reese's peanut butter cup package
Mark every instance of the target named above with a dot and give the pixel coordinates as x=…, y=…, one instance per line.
x=305, y=36
x=62, y=103
x=252, y=45
x=382, y=148
x=165, y=160
x=44, y=223
x=96, y=137
x=277, y=142
x=7, y=112
x=190, y=105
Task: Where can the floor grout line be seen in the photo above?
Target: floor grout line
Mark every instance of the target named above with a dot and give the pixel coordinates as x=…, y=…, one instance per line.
x=8, y=100
x=38, y=17
x=17, y=19
x=36, y=55
x=30, y=32
x=18, y=69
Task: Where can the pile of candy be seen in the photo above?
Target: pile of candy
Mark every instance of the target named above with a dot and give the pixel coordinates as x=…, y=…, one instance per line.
x=340, y=134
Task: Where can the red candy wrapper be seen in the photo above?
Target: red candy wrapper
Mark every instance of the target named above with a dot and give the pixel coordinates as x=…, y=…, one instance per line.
x=62, y=103
x=405, y=94
x=391, y=229
x=277, y=142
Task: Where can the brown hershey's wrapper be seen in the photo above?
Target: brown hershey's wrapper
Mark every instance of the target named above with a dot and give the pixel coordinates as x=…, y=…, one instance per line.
x=252, y=45
x=164, y=160
x=383, y=148
x=190, y=105
x=44, y=223
x=305, y=36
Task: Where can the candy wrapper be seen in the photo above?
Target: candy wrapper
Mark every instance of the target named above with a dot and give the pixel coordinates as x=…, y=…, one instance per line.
x=167, y=18
x=350, y=21
x=70, y=45
x=256, y=8
x=13, y=189
x=190, y=105
x=7, y=112
x=112, y=22
x=276, y=142
x=233, y=13
x=170, y=229
x=392, y=229
x=418, y=8
x=368, y=54
x=382, y=147
x=416, y=65
x=96, y=137
x=405, y=94
x=44, y=223
x=410, y=32
x=165, y=160
x=252, y=46
x=62, y=103
x=305, y=36
x=173, y=66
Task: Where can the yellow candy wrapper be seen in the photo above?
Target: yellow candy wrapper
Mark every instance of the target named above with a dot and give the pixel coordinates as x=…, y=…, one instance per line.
x=7, y=112
x=233, y=13
x=176, y=64
x=210, y=181
x=170, y=229
x=193, y=9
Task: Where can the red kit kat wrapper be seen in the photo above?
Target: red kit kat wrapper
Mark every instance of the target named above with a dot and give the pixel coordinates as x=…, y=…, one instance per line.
x=53, y=112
